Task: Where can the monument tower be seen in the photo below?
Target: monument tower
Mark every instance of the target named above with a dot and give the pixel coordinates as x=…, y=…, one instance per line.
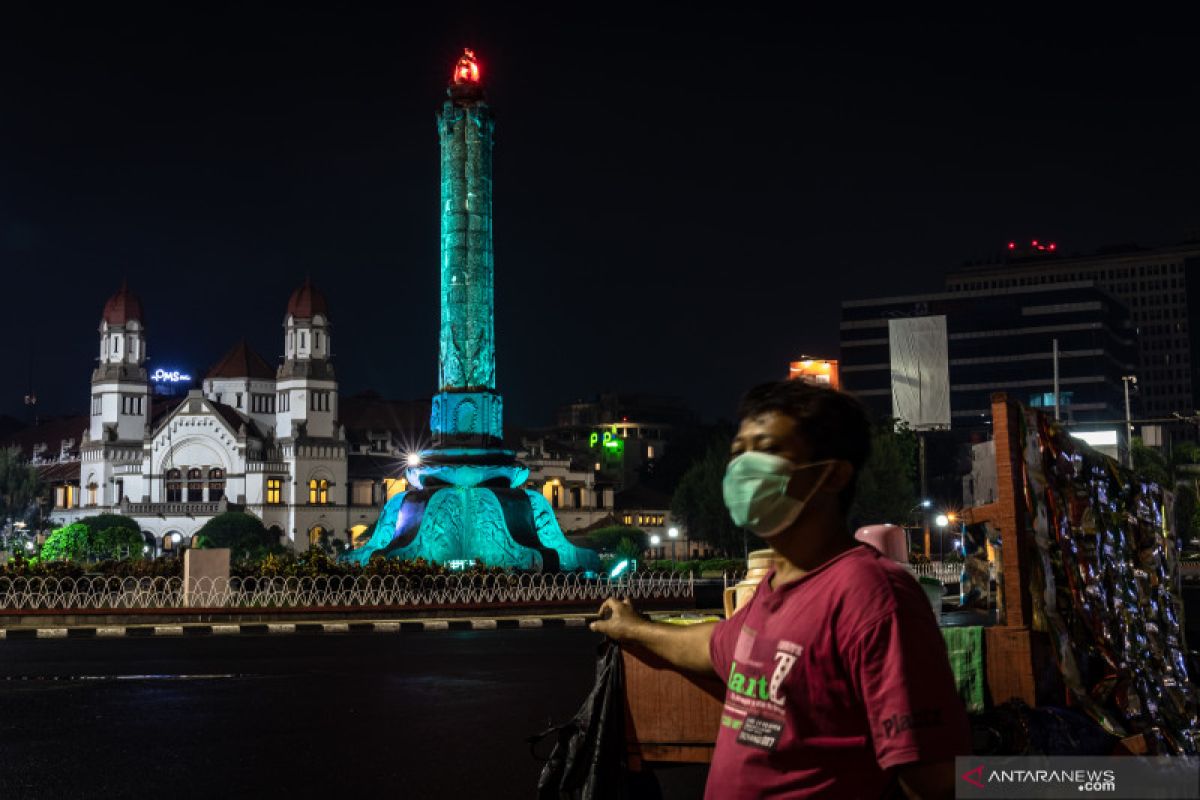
x=467, y=499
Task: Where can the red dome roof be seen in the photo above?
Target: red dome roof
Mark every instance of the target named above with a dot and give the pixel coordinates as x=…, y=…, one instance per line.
x=123, y=307
x=306, y=301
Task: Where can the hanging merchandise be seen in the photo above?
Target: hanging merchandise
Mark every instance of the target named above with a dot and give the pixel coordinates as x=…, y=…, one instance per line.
x=1104, y=581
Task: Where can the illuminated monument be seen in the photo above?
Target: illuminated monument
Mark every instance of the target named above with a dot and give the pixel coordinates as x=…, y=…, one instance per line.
x=466, y=498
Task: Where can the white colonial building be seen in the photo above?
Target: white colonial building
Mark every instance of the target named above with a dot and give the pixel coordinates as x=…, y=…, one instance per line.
x=255, y=439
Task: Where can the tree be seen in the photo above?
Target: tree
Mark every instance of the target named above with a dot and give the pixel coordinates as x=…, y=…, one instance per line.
x=20, y=486
x=609, y=539
x=100, y=523
x=117, y=542
x=1150, y=464
x=699, y=504
x=1178, y=473
x=242, y=533
x=885, y=489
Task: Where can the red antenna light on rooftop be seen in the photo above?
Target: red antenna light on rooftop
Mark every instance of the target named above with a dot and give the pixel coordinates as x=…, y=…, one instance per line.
x=1052, y=246
x=1012, y=245
x=467, y=68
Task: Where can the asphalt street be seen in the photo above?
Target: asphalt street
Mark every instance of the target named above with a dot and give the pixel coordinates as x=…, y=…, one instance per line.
x=421, y=715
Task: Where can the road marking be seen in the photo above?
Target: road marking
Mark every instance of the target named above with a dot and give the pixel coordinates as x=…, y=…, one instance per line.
x=483, y=624
x=51, y=633
x=285, y=627
x=113, y=631
x=168, y=630
x=530, y=622
x=336, y=627
x=436, y=625
x=575, y=622
x=387, y=627
x=226, y=630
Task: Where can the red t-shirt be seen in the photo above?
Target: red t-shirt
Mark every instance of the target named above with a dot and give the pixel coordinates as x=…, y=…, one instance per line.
x=831, y=682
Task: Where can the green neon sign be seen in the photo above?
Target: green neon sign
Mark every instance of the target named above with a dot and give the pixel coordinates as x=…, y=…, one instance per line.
x=608, y=440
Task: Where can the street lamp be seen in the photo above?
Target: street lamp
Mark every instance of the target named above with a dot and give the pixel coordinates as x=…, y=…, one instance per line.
x=655, y=540
x=941, y=520
x=673, y=532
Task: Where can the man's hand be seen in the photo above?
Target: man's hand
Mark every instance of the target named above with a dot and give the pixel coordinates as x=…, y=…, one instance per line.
x=618, y=620
x=684, y=647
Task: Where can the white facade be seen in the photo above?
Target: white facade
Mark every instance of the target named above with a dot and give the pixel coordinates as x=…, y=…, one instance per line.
x=271, y=446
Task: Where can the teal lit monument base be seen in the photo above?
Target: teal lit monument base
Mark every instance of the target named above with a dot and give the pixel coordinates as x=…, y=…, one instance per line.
x=467, y=499
x=468, y=504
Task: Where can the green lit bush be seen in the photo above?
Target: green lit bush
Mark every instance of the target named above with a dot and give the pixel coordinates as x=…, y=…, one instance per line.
x=68, y=543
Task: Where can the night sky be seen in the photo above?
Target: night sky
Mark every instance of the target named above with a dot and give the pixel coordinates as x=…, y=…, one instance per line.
x=682, y=199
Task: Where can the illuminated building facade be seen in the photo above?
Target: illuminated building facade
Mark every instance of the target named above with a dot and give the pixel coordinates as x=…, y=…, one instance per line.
x=467, y=498
x=821, y=371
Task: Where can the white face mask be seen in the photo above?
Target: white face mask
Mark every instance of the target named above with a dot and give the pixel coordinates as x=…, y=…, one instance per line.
x=755, y=491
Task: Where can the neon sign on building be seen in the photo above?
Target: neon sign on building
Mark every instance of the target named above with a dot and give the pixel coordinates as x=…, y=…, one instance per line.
x=607, y=440
x=170, y=376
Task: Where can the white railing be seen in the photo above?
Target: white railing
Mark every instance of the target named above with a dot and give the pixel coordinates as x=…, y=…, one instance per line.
x=945, y=571
x=341, y=591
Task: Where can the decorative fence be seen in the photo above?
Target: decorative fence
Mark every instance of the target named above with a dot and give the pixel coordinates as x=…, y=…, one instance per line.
x=945, y=571
x=332, y=591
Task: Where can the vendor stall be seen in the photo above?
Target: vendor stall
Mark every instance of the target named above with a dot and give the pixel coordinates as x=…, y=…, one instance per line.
x=1071, y=619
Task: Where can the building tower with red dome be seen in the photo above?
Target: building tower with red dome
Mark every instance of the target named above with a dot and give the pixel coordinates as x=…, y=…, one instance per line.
x=309, y=437
x=120, y=387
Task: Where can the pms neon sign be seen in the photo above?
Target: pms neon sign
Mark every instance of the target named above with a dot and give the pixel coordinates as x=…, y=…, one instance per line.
x=170, y=376
x=607, y=440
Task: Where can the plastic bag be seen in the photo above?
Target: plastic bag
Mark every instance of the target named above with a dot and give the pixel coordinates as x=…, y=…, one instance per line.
x=588, y=759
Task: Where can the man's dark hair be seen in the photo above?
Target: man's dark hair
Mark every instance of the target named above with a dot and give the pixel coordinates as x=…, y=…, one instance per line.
x=833, y=423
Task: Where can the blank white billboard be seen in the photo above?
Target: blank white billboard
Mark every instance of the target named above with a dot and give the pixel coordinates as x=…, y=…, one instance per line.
x=920, y=372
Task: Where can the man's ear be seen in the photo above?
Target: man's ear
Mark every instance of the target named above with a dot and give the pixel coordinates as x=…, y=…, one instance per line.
x=839, y=477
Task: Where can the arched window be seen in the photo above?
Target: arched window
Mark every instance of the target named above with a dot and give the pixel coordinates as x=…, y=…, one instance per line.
x=216, y=484
x=312, y=492
x=174, y=486
x=324, y=491
x=195, y=486
x=318, y=492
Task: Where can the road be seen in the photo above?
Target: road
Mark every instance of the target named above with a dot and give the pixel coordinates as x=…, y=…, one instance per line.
x=422, y=715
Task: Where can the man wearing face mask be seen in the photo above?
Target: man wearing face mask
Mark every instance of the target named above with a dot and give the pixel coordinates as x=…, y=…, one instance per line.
x=837, y=682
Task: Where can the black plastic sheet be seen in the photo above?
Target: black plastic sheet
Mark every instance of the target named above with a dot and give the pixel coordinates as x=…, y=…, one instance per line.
x=588, y=759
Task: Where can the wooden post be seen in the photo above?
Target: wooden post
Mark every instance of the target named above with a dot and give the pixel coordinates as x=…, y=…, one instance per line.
x=1020, y=661
x=1014, y=556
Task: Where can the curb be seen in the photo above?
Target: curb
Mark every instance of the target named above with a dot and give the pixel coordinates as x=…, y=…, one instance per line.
x=284, y=628
x=323, y=628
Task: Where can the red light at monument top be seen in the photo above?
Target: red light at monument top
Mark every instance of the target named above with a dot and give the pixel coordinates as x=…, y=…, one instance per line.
x=467, y=69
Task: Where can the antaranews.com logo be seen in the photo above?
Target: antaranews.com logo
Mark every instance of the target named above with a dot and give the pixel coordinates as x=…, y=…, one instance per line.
x=1074, y=776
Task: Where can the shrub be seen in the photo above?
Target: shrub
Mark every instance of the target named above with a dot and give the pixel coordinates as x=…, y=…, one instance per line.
x=68, y=543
